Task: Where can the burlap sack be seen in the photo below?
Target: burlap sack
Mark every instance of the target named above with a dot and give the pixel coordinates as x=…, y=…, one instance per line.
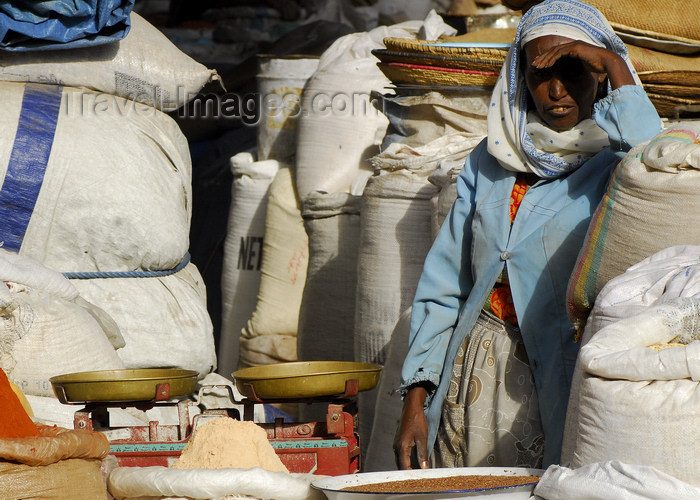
x=54, y=444
x=651, y=203
x=657, y=19
x=657, y=67
x=59, y=464
x=75, y=478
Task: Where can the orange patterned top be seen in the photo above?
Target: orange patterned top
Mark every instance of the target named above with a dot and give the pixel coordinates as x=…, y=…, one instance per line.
x=500, y=301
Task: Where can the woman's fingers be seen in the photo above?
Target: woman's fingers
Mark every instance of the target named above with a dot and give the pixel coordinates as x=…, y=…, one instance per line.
x=590, y=55
x=412, y=431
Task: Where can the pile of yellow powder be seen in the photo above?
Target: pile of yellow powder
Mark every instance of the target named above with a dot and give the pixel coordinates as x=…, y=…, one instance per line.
x=228, y=443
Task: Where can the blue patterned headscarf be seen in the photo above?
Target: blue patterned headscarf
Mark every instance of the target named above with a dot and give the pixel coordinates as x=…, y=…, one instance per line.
x=508, y=137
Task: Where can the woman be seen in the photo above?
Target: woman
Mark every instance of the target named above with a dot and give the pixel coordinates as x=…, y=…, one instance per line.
x=486, y=380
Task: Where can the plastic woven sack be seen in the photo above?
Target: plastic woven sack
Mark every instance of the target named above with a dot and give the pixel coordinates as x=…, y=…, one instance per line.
x=650, y=204
x=54, y=444
x=27, y=25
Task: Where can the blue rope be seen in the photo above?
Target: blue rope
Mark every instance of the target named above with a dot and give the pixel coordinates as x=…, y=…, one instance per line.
x=130, y=274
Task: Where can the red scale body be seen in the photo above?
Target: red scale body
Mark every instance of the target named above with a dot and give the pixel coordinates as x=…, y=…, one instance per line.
x=330, y=447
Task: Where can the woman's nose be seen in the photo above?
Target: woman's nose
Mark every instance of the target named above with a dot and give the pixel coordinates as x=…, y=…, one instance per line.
x=557, y=90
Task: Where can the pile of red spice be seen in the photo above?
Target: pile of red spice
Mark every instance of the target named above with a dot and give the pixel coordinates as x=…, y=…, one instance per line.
x=14, y=420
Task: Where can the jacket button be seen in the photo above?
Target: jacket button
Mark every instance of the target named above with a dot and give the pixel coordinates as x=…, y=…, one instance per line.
x=505, y=255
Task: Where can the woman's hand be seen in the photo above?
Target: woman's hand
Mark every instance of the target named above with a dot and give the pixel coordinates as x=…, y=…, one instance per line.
x=595, y=59
x=413, y=430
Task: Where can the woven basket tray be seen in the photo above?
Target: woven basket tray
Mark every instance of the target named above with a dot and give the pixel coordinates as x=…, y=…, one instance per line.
x=409, y=46
x=682, y=91
x=667, y=106
x=446, y=77
x=442, y=61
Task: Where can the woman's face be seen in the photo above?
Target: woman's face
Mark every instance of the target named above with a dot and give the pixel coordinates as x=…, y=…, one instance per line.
x=563, y=94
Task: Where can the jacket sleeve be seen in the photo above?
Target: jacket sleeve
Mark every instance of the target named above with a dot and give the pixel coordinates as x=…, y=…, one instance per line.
x=444, y=284
x=628, y=116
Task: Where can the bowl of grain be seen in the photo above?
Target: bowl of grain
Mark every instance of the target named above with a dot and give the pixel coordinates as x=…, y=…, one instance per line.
x=491, y=483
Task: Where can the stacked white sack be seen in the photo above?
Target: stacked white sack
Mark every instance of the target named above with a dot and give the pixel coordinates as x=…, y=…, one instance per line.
x=327, y=314
x=144, y=66
x=270, y=335
x=669, y=274
x=339, y=129
x=639, y=405
x=48, y=329
x=397, y=230
x=115, y=190
x=243, y=251
x=281, y=82
x=116, y=193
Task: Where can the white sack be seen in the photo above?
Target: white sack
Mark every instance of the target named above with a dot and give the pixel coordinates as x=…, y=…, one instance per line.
x=340, y=129
x=116, y=194
x=650, y=204
x=50, y=411
x=611, y=480
x=388, y=404
x=240, y=277
x=283, y=274
x=419, y=119
x=45, y=330
x=639, y=405
x=144, y=66
x=327, y=311
x=395, y=236
x=134, y=482
x=49, y=336
x=666, y=275
x=164, y=320
x=280, y=82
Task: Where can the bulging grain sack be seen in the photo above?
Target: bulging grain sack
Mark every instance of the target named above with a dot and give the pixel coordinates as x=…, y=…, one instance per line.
x=416, y=120
x=47, y=329
x=340, y=129
x=388, y=404
x=240, y=278
x=669, y=274
x=270, y=333
x=60, y=463
x=144, y=66
x=105, y=183
x=651, y=203
x=327, y=311
x=163, y=319
x=640, y=405
x=395, y=236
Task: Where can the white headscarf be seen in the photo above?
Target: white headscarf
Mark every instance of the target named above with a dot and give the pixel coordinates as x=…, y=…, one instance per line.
x=519, y=140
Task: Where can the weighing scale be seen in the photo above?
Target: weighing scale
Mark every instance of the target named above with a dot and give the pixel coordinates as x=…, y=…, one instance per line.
x=330, y=446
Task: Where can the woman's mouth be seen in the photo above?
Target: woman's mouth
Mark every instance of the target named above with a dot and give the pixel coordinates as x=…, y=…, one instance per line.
x=559, y=111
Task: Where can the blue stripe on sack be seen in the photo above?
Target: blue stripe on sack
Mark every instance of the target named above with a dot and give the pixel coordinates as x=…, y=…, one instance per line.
x=30, y=155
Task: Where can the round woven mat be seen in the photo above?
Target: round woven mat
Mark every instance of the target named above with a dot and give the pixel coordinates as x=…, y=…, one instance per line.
x=407, y=45
x=438, y=60
x=428, y=75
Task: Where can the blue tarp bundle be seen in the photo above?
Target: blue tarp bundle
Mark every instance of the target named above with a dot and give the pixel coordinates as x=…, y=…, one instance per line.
x=62, y=24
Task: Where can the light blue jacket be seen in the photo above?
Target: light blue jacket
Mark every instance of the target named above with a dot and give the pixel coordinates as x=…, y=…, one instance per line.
x=541, y=249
